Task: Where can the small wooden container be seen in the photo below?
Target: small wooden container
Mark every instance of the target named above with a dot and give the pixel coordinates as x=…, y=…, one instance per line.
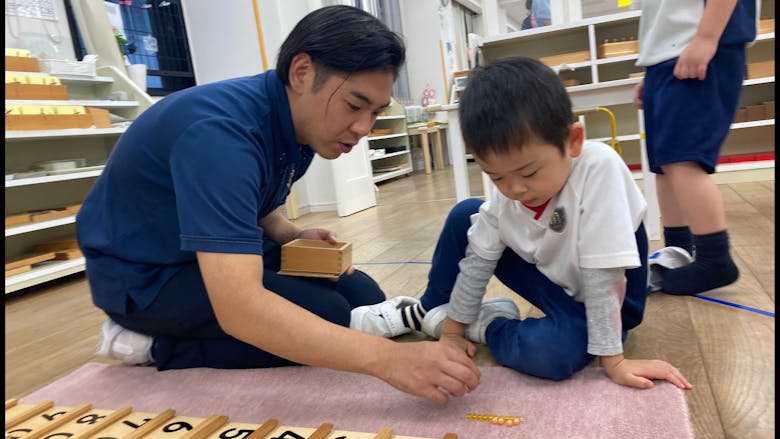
x=15, y=90
x=565, y=58
x=741, y=115
x=314, y=258
x=756, y=112
x=766, y=25
x=381, y=131
x=769, y=108
x=21, y=64
x=620, y=48
x=760, y=69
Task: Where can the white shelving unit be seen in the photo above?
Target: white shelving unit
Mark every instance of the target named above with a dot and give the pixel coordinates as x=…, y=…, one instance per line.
x=24, y=148
x=389, y=153
x=604, y=81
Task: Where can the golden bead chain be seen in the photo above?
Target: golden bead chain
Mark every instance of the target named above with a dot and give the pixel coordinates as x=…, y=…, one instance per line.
x=509, y=421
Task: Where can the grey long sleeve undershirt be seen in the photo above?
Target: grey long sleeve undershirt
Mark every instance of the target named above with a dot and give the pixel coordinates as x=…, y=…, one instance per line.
x=470, y=285
x=603, y=291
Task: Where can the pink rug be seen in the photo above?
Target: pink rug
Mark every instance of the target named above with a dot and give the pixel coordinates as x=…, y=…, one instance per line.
x=587, y=406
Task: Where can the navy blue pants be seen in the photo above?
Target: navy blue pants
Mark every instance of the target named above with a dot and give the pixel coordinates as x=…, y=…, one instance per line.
x=187, y=333
x=553, y=347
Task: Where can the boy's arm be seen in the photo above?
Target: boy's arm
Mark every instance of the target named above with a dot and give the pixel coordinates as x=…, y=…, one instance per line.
x=604, y=290
x=466, y=298
x=694, y=59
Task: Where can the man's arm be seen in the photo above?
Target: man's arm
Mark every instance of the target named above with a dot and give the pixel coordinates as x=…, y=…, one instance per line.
x=278, y=228
x=255, y=315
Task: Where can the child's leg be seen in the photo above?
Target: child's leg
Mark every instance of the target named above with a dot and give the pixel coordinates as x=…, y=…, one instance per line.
x=555, y=346
x=450, y=249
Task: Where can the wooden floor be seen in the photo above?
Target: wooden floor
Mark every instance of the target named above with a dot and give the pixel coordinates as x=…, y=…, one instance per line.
x=726, y=349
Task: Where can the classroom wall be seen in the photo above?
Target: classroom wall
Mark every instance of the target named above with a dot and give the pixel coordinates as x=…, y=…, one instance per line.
x=41, y=36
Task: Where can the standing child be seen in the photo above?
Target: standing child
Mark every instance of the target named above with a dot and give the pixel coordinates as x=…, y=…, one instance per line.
x=695, y=68
x=563, y=230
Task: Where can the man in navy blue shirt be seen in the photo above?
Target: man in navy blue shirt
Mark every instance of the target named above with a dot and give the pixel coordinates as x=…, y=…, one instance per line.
x=182, y=231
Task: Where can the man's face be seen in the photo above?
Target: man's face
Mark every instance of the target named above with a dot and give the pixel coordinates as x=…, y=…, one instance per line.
x=342, y=111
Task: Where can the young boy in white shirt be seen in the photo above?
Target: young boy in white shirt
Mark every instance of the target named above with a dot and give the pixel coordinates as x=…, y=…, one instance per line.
x=563, y=229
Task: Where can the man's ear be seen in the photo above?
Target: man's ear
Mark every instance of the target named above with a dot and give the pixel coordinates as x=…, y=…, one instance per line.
x=301, y=74
x=576, y=138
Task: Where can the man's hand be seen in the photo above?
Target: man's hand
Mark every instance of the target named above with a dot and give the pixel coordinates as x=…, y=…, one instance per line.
x=434, y=371
x=322, y=235
x=639, y=373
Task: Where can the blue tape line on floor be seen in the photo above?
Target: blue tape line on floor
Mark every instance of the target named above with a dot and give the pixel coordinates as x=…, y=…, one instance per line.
x=722, y=302
x=736, y=305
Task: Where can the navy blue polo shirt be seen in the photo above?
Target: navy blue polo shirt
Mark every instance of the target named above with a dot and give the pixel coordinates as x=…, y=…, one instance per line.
x=195, y=172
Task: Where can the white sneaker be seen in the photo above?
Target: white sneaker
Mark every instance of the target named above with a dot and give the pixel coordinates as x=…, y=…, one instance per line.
x=664, y=259
x=123, y=344
x=382, y=319
x=491, y=309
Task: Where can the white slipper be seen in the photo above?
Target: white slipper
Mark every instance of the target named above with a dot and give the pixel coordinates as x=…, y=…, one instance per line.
x=664, y=259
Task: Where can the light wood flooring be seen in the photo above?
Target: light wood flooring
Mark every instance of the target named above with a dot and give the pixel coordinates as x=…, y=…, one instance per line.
x=727, y=352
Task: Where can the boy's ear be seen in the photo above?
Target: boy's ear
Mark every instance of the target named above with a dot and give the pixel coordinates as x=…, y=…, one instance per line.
x=301, y=74
x=576, y=138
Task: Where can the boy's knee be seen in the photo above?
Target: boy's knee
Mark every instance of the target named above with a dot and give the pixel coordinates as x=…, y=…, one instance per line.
x=542, y=360
x=464, y=209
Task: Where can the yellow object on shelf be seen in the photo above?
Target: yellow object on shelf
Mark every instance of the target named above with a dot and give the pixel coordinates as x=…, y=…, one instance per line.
x=613, y=142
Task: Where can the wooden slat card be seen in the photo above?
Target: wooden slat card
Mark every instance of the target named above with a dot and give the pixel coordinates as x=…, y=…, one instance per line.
x=83, y=422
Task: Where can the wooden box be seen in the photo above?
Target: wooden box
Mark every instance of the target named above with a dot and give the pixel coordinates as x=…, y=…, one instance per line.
x=26, y=122
x=21, y=64
x=740, y=116
x=636, y=75
x=101, y=118
x=766, y=25
x=314, y=258
x=15, y=90
x=769, y=109
x=761, y=69
x=756, y=112
x=565, y=58
x=619, y=48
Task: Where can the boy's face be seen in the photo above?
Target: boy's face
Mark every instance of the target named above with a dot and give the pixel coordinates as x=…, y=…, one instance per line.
x=534, y=173
x=343, y=110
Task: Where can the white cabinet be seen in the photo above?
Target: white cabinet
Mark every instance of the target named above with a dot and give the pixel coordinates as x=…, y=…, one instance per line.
x=388, y=144
x=605, y=82
x=54, y=189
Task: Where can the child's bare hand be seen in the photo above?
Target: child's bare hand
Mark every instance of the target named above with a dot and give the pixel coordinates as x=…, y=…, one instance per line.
x=695, y=58
x=638, y=93
x=639, y=373
x=460, y=343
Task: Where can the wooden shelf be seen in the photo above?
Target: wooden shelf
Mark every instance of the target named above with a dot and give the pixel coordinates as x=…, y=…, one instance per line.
x=39, y=225
x=83, y=102
x=69, y=79
x=387, y=136
x=55, y=134
x=43, y=272
x=53, y=178
x=392, y=154
x=381, y=176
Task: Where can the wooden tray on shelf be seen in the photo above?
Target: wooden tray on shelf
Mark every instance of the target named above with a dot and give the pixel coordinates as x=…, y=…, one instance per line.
x=618, y=48
x=566, y=58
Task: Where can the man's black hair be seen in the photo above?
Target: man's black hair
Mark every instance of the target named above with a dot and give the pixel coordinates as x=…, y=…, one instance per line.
x=341, y=39
x=510, y=102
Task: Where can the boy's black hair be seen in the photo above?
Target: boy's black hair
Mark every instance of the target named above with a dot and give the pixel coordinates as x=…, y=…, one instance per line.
x=341, y=39
x=512, y=101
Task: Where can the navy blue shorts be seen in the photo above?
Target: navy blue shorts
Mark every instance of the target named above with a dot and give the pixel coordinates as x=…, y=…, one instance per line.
x=688, y=120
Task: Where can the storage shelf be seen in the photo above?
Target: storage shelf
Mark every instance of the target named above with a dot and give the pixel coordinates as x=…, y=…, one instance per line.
x=753, y=124
x=388, y=136
x=69, y=79
x=40, y=225
x=392, y=154
x=394, y=116
x=82, y=102
x=52, y=178
x=55, y=134
x=43, y=272
x=387, y=175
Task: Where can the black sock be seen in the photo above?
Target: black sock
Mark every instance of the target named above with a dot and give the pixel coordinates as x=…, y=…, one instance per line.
x=679, y=237
x=412, y=315
x=712, y=267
